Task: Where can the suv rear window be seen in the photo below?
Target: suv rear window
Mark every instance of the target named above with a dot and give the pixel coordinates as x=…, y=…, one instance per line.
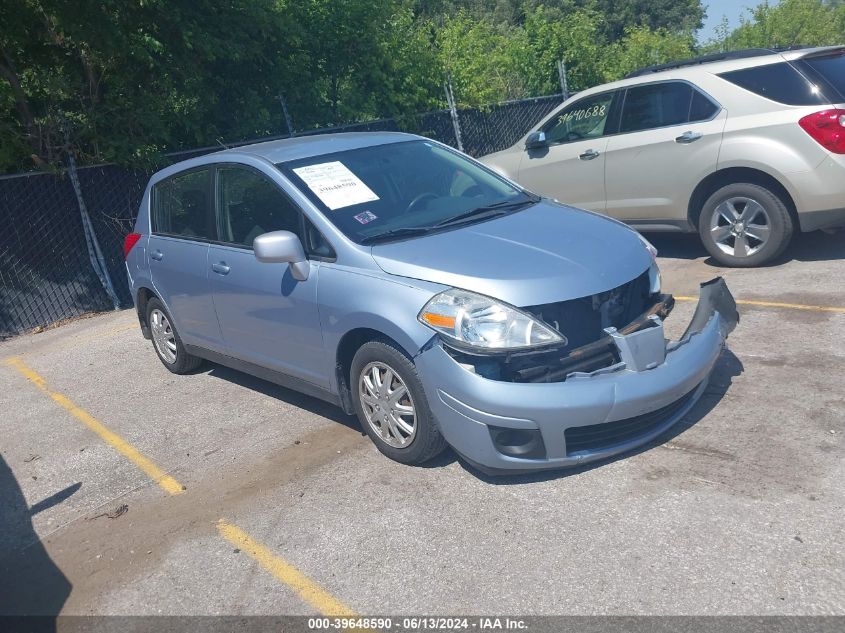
x=779, y=82
x=830, y=68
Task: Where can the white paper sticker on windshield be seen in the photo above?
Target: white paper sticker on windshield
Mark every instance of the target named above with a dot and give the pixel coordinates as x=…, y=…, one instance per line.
x=335, y=185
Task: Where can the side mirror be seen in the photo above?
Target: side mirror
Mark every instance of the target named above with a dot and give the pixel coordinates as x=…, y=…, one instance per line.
x=278, y=247
x=536, y=140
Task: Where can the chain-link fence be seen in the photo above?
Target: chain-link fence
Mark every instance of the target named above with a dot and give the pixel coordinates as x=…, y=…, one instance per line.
x=48, y=264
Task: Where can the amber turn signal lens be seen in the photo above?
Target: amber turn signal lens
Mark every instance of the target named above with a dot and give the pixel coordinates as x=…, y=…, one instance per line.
x=438, y=320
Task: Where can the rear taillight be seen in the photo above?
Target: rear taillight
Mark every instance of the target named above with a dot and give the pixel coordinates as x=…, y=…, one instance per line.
x=129, y=242
x=828, y=128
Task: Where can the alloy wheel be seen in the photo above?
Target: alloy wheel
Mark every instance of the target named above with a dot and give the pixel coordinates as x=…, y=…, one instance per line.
x=740, y=226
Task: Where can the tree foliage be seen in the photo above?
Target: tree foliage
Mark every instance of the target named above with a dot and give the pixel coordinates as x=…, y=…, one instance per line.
x=788, y=23
x=125, y=80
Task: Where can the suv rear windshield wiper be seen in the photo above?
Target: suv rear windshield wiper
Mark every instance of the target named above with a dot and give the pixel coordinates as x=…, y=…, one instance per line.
x=497, y=208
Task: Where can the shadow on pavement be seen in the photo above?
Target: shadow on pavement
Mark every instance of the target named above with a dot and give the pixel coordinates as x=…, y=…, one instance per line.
x=30, y=582
x=289, y=396
x=805, y=247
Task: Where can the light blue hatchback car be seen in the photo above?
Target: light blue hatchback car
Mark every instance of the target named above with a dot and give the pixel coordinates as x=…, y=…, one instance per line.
x=416, y=288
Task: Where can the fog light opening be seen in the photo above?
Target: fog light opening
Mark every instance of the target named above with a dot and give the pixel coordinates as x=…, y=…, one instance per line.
x=524, y=443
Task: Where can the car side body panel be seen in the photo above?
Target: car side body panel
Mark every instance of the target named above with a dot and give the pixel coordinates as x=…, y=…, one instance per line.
x=266, y=316
x=649, y=174
x=558, y=171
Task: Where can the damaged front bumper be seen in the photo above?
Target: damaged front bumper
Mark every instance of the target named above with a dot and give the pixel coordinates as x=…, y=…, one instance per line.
x=643, y=389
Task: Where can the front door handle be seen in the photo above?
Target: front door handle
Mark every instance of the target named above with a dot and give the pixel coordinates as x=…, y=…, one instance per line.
x=688, y=137
x=590, y=154
x=221, y=268
x=157, y=255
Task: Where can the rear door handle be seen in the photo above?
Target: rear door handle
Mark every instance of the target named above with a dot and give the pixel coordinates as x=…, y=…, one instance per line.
x=221, y=268
x=590, y=154
x=688, y=137
x=157, y=255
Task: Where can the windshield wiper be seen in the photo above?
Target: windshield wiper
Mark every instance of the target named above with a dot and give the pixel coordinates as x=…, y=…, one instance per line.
x=497, y=208
x=402, y=231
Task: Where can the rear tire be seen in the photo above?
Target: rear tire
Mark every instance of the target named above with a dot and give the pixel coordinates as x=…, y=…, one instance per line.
x=166, y=341
x=391, y=405
x=743, y=225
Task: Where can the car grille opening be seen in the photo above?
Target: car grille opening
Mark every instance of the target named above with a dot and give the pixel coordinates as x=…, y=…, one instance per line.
x=583, y=320
x=596, y=437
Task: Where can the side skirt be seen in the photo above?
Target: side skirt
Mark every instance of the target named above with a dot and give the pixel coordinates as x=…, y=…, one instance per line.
x=662, y=226
x=270, y=375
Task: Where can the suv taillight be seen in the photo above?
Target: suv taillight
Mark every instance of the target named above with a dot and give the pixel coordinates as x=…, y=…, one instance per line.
x=128, y=242
x=828, y=128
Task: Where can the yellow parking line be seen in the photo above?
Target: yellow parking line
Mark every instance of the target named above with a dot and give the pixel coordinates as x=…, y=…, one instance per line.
x=775, y=304
x=307, y=589
x=283, y=571
x=168, y=483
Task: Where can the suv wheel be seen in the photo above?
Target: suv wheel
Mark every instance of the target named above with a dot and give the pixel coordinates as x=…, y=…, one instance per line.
x=745, y=225
x=391, y=405
x=166, y=342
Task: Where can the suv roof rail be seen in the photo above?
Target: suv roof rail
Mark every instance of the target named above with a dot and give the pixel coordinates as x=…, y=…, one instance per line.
x=714, y=57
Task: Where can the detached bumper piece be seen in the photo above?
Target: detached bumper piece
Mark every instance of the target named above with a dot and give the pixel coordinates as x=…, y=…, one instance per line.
x=714, y=296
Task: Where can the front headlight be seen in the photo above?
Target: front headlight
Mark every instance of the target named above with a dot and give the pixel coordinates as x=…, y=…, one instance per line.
x=473, y=319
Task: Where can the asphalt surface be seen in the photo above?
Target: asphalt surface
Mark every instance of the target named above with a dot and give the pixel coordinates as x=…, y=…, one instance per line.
x=738, y=510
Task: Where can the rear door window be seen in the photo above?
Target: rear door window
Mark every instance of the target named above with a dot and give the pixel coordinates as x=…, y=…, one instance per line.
x=828, y=68
x=663, y=104
x=182, y=206
x=779, y=82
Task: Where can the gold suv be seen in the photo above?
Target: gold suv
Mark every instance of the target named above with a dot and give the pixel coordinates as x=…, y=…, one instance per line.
x=745, y=148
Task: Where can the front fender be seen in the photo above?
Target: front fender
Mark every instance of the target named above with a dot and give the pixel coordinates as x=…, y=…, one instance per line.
x=355, y=299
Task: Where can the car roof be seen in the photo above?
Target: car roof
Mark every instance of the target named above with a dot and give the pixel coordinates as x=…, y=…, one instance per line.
x=298, y=147
x=287, y=149
x=713, y=65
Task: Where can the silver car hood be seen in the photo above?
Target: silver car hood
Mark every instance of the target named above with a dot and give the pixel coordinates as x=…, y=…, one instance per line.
x=544, y=254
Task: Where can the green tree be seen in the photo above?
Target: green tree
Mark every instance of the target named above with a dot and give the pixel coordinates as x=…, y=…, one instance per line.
x=673, y=16
x=641, y=47
x=549, y=36
x=789, y=23
x=132, y=78
x=478, y=58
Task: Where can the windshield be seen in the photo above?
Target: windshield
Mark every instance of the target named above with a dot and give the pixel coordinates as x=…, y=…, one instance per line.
x=401, y=189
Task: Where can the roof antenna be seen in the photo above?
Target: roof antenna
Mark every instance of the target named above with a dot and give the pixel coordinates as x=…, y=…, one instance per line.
x=222, y=144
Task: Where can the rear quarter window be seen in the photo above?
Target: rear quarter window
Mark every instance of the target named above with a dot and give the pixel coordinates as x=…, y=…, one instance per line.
x=779, y=82
x=829, y=69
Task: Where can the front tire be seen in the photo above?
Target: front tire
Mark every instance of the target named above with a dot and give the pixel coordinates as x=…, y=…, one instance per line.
x=166, y=342
x=745, y=225
x=391, y=405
